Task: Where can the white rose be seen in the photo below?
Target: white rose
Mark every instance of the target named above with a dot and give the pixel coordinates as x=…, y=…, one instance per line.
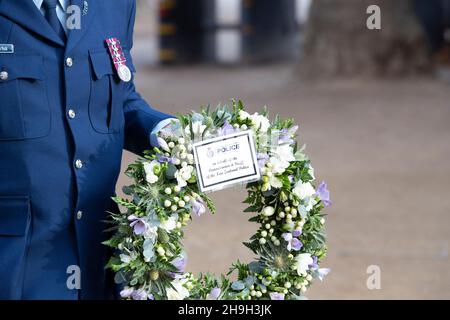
x=184, y=174
x=303, y=190
x=243, y=115
x=268, y=211
x=197, y=129
x=170, y=223
x=150, y=175
x=260, y=122
x=278, y=165
x=285, y=152
x=302, y=262
x=180, y=292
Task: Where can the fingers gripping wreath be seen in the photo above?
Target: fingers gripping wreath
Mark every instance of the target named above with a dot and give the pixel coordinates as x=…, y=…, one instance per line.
x=289, y=244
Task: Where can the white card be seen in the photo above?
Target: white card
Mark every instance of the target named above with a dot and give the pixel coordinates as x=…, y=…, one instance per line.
x=225, y=161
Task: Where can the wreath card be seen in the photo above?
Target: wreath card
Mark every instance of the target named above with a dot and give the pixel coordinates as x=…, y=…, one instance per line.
x=225, y=161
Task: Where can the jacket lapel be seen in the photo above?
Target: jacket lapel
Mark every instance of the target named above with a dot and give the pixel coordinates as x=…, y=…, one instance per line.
x=26, y=14
x=87, y=9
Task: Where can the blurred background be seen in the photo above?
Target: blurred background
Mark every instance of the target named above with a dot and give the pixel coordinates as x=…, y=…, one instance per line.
x=372, y=100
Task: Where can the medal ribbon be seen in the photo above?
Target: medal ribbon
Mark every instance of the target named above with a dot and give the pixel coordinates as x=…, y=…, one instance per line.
x=115, y=50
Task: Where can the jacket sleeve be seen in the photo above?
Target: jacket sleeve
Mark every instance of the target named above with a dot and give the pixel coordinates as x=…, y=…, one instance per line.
x=140, y=117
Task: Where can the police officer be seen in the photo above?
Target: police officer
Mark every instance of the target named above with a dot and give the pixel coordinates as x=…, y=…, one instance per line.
x=68, y=107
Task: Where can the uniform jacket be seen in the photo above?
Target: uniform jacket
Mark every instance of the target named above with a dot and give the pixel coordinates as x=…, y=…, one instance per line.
x=65, y=118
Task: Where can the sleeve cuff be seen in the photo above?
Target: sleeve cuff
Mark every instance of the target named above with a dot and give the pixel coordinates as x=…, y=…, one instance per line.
x=156, y=129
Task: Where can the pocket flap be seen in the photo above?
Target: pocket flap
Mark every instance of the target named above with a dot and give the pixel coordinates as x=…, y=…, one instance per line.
x=14, y=215
x=22, y=67
x=101, y=63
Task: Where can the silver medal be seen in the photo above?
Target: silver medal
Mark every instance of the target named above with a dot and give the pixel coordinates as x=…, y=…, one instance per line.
x=124, y=73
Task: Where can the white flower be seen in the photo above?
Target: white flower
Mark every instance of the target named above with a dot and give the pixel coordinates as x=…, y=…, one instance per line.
x=303, y=190
x=302, y=262
x=180, y=292
x=285, y=152
x=184, y=174
x=268, y=211
x=260, y=122
x=150, y=175
x=125, y=258
x=163, y=144
x=170, y=223
x=278, y=165
x=281, y=157
x=151, y=233
x=244, y=115
x=275, y=182
x=197, y=129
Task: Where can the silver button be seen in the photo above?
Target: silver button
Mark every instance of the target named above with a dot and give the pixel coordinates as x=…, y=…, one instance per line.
x=79, y=215
x=4, y=75
x=79, y=164
x=69, y=62
x=71, y=114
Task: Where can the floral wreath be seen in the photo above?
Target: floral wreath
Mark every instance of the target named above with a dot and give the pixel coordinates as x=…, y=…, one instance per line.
x=149, y=257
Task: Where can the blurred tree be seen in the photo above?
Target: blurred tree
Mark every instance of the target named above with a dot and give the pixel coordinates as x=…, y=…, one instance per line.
x=339, y=43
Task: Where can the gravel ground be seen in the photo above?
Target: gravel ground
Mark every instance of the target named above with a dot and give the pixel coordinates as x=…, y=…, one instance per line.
x=383, y=147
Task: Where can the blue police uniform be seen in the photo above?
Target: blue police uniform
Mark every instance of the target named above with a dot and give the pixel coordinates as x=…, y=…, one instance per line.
x=65, y=117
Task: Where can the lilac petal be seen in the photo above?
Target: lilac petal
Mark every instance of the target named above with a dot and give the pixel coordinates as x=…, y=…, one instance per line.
x=214, y=293
x=198, y=206
x=179, y=263
x=276, y=296
x=296, y=244
x=226, y=129
x=139, y=226
x=323, y=272
x=287, y=236
x=126, y=293
x=296, y=233
x=262, y=159
x=324, y=194
x=314, y=265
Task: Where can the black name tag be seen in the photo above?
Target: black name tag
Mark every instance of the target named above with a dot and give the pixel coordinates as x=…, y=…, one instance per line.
x=6, y=48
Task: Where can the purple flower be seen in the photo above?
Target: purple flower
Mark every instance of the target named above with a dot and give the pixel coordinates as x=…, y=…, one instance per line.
x=226, y=129
x=314, y=265
x=286, y=135
x=139, y=225
x=163, y=159
x=140, y=294
x=179, y=263
x=291, y=239
x=324, y=194
x=214, y=293
x=322, y=272
x=198, y=206
x=262, y=159
x=126, y=293
x=276, y=296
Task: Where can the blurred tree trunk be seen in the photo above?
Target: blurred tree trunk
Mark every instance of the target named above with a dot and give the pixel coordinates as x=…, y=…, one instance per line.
x=338, y=42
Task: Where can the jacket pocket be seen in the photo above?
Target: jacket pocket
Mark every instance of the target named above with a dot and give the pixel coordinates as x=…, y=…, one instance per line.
x=24, y=107
x=15, y=221
x=107, y=94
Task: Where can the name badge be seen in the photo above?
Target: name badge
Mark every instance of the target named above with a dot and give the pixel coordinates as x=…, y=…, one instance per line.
x=225, y=161
x=6, y=48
